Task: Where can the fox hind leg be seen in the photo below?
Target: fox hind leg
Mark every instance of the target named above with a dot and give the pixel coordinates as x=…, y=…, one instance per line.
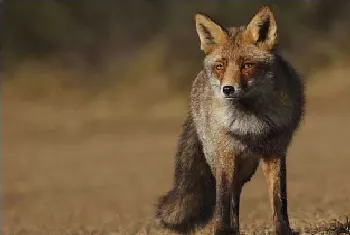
x=191, y=201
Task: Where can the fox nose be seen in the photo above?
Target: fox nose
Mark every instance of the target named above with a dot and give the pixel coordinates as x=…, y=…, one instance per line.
x=228, y=90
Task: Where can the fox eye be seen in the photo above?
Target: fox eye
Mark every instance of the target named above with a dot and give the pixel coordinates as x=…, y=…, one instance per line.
x=219, y=66
x=247, y=65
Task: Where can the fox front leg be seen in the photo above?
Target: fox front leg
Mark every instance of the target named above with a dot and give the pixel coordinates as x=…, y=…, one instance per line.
x=226, y=215
x=274, y=168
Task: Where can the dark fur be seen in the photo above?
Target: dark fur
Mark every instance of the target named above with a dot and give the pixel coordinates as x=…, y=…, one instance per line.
x=192, y=199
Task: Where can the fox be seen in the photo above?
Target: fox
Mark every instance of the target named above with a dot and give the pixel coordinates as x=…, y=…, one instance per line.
x=245, y=107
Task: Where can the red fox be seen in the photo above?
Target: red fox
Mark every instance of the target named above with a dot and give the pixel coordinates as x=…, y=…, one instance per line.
x=245, y=107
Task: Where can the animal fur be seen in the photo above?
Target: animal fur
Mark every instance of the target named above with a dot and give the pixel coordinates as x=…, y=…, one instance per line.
x=225, y=136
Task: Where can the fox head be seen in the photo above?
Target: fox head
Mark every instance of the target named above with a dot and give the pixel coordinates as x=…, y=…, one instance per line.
x=239, y=60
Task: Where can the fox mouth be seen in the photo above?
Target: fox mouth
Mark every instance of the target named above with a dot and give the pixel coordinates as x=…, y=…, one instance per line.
x=236, y=96
x=231, y=98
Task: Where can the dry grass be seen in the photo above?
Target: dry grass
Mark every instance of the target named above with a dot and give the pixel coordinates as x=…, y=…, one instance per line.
x=80, y=164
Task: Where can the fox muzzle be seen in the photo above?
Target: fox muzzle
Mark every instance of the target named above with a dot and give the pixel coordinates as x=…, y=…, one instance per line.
x=231, y=92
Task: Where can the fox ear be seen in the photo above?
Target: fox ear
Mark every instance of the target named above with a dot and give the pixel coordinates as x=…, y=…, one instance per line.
x=262, y=29
x=210, y=33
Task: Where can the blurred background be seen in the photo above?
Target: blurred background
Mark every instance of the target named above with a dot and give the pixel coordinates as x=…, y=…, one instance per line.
x=94, y=94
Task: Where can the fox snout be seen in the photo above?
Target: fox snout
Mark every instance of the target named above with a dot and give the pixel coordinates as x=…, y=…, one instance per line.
x=231, y=92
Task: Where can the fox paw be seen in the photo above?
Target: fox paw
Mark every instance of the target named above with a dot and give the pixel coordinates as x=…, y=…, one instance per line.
x=283, y=230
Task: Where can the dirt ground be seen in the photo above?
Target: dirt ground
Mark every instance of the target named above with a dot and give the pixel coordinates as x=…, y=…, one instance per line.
x=77, y=169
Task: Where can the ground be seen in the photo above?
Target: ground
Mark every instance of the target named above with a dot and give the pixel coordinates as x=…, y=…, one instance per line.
x=75, y=170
